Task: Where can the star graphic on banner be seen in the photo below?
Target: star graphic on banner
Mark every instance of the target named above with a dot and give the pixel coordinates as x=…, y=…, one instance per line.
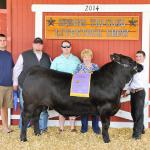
x=51, y=22
x=132, y=22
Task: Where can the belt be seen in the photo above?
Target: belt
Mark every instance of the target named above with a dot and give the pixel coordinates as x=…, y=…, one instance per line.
x=136, y=90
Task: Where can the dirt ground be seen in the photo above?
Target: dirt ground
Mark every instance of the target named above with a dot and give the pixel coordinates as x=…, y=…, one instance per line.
x=52, y=140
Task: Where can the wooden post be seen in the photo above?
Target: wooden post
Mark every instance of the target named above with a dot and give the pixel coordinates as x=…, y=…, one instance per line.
x=9, y=40
x=9, y=18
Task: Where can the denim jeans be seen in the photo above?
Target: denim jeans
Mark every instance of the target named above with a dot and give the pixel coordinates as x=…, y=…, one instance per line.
x=43, y=120
x=43, y=116
x=95, y=123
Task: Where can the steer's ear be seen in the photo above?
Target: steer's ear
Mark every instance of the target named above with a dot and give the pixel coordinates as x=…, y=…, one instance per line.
x=115, y=57
x=112, y=57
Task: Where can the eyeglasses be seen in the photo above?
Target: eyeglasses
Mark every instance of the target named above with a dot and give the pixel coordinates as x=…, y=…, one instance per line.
x=66, y=46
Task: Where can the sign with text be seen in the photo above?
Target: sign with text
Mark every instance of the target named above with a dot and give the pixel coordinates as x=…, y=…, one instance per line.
x=80, y=85
x=92, y=27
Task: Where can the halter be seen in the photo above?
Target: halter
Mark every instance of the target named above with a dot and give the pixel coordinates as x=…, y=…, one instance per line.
x=125, y=65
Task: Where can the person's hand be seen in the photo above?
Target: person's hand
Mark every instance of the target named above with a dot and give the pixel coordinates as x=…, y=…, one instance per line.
x=15, y=87
x=125, y=93
x=15, y=99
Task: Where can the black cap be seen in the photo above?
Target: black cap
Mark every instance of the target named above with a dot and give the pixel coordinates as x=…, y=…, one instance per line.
x=38, y=40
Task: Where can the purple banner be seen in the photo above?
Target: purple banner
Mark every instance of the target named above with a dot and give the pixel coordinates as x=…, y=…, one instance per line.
x=80, y=85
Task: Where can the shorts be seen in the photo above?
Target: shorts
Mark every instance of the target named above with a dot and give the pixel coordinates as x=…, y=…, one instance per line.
x=6, y=95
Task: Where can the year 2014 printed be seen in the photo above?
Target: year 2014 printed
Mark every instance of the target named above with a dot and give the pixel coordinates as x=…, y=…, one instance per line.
x=91, y=8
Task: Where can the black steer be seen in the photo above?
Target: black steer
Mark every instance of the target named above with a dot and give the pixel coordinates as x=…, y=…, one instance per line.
x=43, y=88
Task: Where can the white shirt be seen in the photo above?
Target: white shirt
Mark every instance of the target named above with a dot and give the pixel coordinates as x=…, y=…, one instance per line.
x=139, y=80
x=19, y=66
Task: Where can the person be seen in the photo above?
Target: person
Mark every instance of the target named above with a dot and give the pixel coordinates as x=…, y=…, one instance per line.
x=66, y=62
x=137, y=92
x=6, y=89
x=88, y=67
x=26, y=60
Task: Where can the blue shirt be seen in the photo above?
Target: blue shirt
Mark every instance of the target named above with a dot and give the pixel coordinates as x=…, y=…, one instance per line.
x=6, y=68
x=65, y=64
x=84, y=69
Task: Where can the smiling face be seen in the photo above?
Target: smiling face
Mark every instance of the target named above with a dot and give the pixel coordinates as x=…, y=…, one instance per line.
x=140, y=58
x=87, y=59
x=86, y=56
x=66, y=48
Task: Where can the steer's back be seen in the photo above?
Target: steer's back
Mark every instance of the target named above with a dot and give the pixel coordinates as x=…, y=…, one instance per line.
x=52, y=88
x=40, y=82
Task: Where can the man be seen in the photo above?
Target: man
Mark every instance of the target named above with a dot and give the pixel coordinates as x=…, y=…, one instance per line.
x=26, y=60
x=66, y=62
x=137, y=91
x=6, y=89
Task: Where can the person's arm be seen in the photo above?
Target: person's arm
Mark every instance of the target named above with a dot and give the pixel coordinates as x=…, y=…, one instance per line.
x=50, y=59
x=77, y=70
x=16, y=71
x=126, y=90
x=54, y=65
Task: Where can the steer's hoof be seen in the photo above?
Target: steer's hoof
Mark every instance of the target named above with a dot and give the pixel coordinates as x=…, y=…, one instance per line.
x=136, y=137
x=106, y=140
x=23, y=139
x=143, y=131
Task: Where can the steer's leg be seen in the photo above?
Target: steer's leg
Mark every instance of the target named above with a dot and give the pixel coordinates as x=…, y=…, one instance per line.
x=36, y=116
x=105, y=112
x=105, y=126
x=26, y=116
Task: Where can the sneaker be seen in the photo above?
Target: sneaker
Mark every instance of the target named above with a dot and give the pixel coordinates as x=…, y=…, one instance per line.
x=8, y=130
x=43, y=131
x=83, y=131
x=97, y=131
x=60, y=130
x=73, y=130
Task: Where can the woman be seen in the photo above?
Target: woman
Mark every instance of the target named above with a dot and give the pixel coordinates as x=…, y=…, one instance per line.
x=88, y=67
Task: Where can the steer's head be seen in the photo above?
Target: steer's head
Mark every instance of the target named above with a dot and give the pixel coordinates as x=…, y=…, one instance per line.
x=127, y=63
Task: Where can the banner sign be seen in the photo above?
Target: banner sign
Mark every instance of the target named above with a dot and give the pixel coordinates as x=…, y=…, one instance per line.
x=92, y=27
x=80, y=85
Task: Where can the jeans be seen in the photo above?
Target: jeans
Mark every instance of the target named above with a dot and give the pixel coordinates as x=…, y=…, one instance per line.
x=137, y=111
x=95, y=123
x=43, y=120
x=21, y=108
x=43, y=116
